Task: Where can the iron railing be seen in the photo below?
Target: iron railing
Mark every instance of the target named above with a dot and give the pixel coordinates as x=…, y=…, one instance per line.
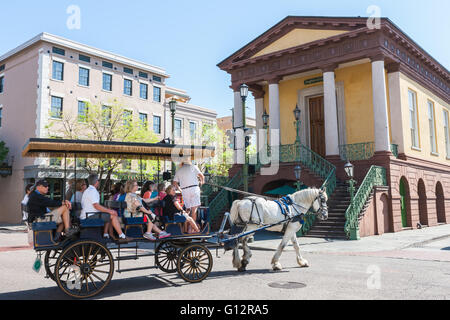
x=375, y=177
x=357, y=151
x=394, y=150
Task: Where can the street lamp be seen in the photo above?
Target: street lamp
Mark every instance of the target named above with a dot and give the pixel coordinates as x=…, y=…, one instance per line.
x=173, y=110
x=349, y=170
x=265, y=118
x=297, y=115
x=244, y=95
x=298, y=175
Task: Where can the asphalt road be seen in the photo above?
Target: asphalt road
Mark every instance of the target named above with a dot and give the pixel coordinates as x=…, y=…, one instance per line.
x=421, y=272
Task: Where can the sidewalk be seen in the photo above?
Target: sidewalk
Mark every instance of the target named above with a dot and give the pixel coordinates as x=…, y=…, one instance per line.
x=270, y=241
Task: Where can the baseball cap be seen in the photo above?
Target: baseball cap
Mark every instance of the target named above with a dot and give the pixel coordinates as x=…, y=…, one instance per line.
x=43, y=183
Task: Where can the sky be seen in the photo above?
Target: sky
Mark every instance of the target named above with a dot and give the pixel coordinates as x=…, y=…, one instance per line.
x=188, y=38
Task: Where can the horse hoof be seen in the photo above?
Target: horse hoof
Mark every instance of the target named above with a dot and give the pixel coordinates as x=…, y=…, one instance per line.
x=242, y=269
x=277, y=267
x=303, y=264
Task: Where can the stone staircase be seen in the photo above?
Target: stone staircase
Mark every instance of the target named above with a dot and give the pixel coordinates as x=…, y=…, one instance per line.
x=333, y=228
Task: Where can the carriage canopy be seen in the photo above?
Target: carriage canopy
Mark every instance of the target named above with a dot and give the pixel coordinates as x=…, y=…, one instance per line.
x=58, y=148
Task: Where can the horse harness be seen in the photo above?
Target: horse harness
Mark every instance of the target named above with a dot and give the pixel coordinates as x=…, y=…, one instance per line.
x=285, y=204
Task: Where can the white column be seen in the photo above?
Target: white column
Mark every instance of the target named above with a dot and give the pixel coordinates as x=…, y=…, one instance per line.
x=239, y=155
x=259, y=111
x=380, y=109
x=396, y=109
x=274, y=111
x=330, y=111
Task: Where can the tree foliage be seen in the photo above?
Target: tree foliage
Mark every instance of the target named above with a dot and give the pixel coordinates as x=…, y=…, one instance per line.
x=105, y=123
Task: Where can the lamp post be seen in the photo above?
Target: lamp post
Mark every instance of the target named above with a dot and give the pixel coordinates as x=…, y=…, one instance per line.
x=297, y=115
x=265, y=118
x=349, y=170
x=173, y=110
x=244, y=95
x=298, y=175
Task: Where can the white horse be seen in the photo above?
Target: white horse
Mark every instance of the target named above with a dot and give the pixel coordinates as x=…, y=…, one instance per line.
x=256, y=212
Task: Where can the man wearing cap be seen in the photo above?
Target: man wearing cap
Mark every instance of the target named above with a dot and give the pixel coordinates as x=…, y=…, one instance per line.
x=38, y=205
x=189, y=179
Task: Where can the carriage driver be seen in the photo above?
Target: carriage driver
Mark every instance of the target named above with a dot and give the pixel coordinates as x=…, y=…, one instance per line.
x=38, y=205
x=188, y=179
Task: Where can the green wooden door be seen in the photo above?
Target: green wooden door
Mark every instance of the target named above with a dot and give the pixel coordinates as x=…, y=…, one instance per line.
x=403, y=204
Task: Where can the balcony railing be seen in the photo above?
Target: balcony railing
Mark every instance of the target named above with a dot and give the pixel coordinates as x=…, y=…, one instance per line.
x=357, y=151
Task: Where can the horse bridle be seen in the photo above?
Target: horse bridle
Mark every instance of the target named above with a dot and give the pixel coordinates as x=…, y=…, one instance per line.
x=323, y=204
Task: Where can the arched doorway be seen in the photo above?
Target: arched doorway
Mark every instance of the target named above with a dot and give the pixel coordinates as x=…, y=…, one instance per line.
x=440, y=204
x=423, y=210
x=405, y=200
x=385, y=213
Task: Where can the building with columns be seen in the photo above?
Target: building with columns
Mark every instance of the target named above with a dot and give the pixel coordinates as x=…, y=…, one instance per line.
x=371, y=96
x=49, y=78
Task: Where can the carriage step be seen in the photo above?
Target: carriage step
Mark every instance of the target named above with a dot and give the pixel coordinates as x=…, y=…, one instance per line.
x=134, y=269
x=134, y=257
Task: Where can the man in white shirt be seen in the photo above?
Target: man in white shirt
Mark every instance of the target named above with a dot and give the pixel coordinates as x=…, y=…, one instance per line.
x=188, y=179
x=90, y=203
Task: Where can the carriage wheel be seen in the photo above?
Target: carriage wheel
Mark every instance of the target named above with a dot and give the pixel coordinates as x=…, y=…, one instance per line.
x=195, y=263
x=50, y=260
x=166, y=257
x=84, y=269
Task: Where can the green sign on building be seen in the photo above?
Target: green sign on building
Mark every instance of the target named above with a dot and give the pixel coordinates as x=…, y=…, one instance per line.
x=314, y=80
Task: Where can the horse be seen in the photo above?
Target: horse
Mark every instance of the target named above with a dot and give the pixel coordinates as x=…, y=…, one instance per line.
x=254, y=212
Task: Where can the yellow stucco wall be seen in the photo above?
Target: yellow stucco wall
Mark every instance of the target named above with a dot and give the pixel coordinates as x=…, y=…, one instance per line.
x=298, y=37
x=423, y=95
x=358, y=102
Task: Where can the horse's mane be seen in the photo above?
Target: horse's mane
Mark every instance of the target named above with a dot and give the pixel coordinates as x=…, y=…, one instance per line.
x=306, y=196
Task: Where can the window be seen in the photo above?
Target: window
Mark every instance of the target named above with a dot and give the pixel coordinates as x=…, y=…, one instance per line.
x=157, y=124
x=106, y=115
x=83, y=78
x=143, y=75
x=127, y=87
x=1, y=117
x=81, y=163
x=447, y=133
x=157, y=79
x=2, y=84
x=82, y=111
x=193, y=130
x=128, y=70
x=58, y=71
x=144, y=91
x=59, y=51
x=156, y=94
x=143, y=118
x=56, y=108
x=143, y=166
x=84, y=58
x=107, y=82
x=55, y=162
x=432, y=126
x=413, y=119
x=127, y=117
x=126, y=165
x=108, y=65
x=2, y=67
x=178, y=128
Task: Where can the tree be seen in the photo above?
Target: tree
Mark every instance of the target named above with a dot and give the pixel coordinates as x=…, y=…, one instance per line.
x=223, y=160
x=104, y=123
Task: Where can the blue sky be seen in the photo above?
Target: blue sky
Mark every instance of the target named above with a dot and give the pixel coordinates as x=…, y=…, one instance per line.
x=190, y=37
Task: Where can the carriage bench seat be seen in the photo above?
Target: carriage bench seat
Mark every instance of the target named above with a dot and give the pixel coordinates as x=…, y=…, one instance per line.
x=133, y=221
x=44, y=226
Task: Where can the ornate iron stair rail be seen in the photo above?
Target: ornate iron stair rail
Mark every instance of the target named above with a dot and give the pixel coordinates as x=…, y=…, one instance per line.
x=316, y=164
x=375, y=177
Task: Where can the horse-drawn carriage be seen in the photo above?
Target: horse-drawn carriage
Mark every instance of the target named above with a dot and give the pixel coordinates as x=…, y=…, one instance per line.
x=84, y=265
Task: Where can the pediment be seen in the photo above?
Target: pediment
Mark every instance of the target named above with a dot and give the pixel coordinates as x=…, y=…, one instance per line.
x=296, y=38
x=294, y=31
